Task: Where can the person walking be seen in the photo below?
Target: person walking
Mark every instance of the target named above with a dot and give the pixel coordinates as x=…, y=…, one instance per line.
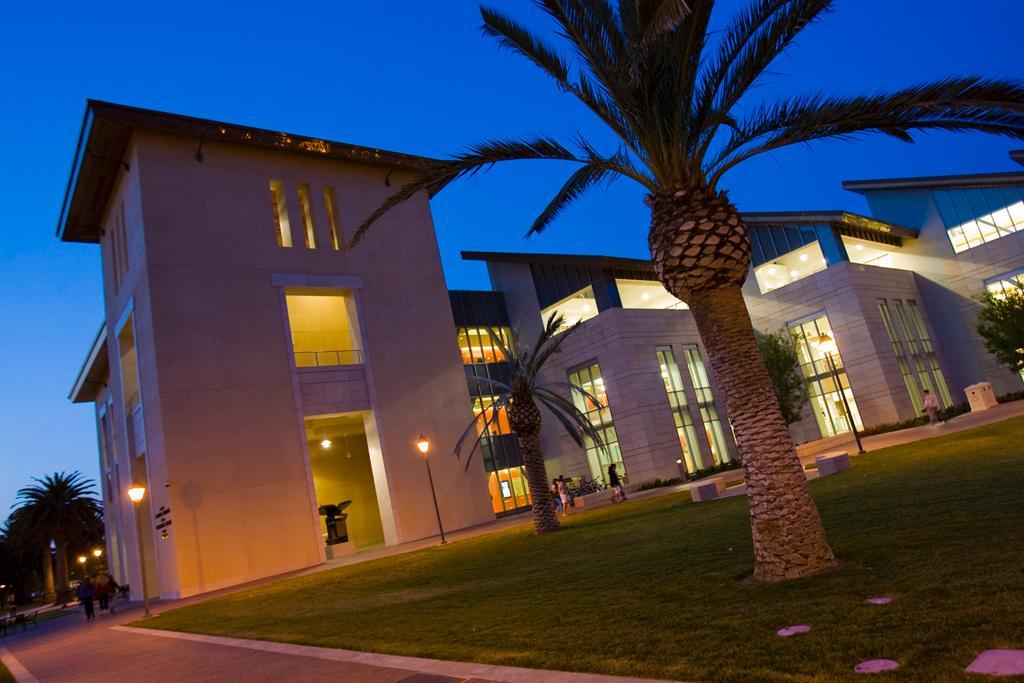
x=86, y=593
x=565, y=488
x=104, y=591
x=618, y=491
x=563, y=494
x=555, y=495
x=931, y=406
x=113, y=587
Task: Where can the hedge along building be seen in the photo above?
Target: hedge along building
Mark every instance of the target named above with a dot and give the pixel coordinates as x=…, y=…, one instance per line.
x=250, y=369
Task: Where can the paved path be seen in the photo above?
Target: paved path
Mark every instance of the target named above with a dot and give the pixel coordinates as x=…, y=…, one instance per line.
x=70, y=649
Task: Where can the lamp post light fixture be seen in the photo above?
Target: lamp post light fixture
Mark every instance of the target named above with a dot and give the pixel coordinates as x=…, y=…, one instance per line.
x=827, y=345
x=136, y=494
x=98, y=552
x=423, y=445
x=82, y=559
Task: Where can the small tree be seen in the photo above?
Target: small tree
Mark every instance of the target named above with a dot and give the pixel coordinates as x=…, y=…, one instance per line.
x=783, y=362
x=1001, y=325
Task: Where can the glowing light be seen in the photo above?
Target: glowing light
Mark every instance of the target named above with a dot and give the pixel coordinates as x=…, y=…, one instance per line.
x=825, y=344
x=859, y=247
x=325, y=444
x=423, y=443
x=82, y=559
x=97, y=552
x=645, y=296
x=793, y=273
x=803, y=257
x=586, y=308
x=771, y=270
x=137, y=492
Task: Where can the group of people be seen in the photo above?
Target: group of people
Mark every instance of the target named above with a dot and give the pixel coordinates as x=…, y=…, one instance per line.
x=564, y=499
x=102, y=588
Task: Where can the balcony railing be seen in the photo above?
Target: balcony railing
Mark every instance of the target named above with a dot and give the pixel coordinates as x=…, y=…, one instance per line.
x=319, y=359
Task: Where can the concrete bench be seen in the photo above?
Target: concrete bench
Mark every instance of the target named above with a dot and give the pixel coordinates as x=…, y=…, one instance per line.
x=707, y=489
x=832, y=463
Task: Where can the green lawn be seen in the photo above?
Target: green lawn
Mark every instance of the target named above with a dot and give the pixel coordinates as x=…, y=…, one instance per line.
x=5, y=675
x=653, y=588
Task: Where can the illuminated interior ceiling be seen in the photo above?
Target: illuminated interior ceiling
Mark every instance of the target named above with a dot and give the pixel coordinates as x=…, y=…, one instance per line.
x=868, y=252
x=334, y=426
x=575, y=308
x=646, y=294
x=790, y=267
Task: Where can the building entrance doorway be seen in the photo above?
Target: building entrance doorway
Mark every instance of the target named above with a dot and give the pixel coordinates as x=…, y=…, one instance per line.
x=340, y=462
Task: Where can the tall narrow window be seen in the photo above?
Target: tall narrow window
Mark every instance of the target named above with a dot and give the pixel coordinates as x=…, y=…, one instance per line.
x=595, y=406
x=281, y=225
x=901, y=358
x=134, y=423
x=685, y=430
x=929, y=352
x=332, y=218
x=307, y=216
x=826, y=400
x=706, y=403
x=125, y=256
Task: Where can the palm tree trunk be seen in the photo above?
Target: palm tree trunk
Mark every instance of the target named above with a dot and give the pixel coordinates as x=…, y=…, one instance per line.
x=48, y=592
x=701, y=253
x=525, y=421
x=63, y=591
x=789, y=539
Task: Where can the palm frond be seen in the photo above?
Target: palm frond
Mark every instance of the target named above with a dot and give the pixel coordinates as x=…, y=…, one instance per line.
x=960, y=104
x=485, y=422
x=582, y=179
x=573, y=421
x=478, y=157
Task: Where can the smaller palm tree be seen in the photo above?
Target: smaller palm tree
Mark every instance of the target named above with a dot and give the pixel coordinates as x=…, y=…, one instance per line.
x=520, y=398
x=58, y=507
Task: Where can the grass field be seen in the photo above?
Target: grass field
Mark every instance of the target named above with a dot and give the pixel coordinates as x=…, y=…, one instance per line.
x=5, y=675
x=653, y=588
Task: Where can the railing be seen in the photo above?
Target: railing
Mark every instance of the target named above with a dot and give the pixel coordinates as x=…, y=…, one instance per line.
x=318, y=359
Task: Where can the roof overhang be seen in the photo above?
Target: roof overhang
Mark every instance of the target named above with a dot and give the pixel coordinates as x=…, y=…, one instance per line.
x=1018, y=156
x=847, y=223
x=936, y=182
x=570, y=260
x=106, y=132
x=95, y=371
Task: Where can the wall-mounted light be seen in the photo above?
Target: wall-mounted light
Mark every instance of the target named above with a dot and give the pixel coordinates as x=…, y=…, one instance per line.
x=325, y=444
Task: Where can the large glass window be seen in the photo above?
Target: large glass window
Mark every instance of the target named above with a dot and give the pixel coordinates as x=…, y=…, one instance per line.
x=595, y=407
x=826, y=400
x=790, y=267
x=576, y=308
x=921, y=346
x=901, y=358
x=307, y=216
x=478, y=344
x=706, y=403
x=499, y=425
x=869, y=253
x=1006, y=284
x=508, y=489
x=135, y=429
x=685, y=430
x=979, y=215
x=325, y=328
x=646, y=294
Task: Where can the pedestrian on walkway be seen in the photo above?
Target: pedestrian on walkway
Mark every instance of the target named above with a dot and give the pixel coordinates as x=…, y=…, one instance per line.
x=105, y=590
x=86, y=593
x=555, y=496
x=563, y=494
x=618, y=491
x=931, y=406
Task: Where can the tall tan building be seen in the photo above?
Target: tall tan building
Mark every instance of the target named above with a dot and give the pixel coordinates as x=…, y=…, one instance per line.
x=251, y=369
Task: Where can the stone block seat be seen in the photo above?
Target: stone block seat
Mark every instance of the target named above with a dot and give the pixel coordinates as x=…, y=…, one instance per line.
x=832, y=463
x=707, y=489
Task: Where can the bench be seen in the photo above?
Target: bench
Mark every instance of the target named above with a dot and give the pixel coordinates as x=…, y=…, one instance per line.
x=707, y=489
x=832, y=463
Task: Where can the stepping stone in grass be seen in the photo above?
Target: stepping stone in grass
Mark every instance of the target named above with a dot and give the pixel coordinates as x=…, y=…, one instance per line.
x=878, y=601
x=874, y=666
x=998, y=663
x=793, y=630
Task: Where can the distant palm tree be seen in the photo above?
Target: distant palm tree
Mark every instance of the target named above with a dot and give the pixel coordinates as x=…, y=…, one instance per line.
x=520, y=399
x=673, y=93
x=59, y=507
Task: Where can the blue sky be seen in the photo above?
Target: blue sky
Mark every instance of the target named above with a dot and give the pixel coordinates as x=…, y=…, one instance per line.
x=404, y=75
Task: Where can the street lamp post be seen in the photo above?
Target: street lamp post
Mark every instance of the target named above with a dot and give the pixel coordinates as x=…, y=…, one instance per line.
x=423, y=444
x=136, y=493
x=827, y=345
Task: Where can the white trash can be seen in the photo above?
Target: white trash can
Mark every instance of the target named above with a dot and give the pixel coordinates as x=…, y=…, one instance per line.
x=980, y=396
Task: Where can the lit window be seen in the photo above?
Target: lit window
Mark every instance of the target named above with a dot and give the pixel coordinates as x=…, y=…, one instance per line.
x=826, y=399
x=706, y=403
x=324, y=327
x=977, y=216
x=869, y=253
x=685, y=429
x=498, y=425
x=307, y=216
x=595, y=407
x=575, y=309
x=1006, y=284
x=281, y=226
x=646, y=294
x=790, y=267
x=332, y=218
x=479, y=346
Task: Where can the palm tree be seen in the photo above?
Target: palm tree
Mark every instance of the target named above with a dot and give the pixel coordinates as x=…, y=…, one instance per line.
x=59, y=507
x=519, y=398
x=675, y=99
